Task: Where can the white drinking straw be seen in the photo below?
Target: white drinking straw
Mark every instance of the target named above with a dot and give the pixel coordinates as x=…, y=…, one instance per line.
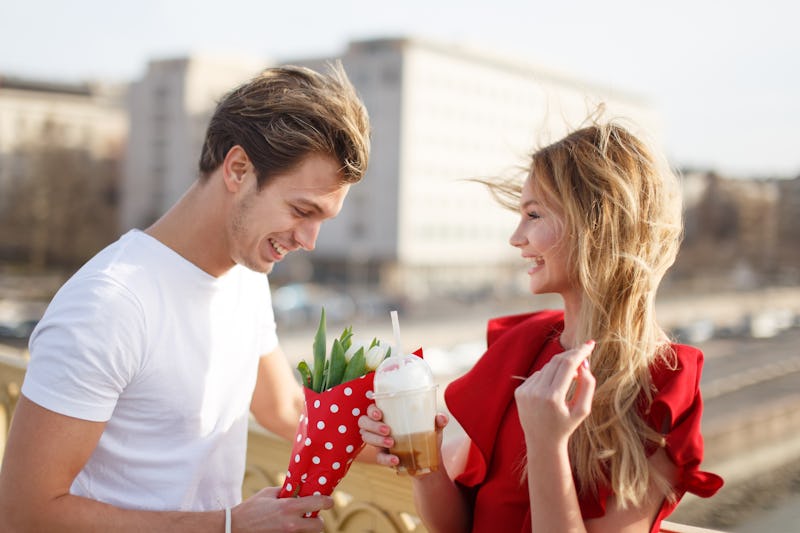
x=396, y=328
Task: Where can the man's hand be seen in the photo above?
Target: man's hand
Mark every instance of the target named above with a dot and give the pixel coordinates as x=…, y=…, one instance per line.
x=264, y=512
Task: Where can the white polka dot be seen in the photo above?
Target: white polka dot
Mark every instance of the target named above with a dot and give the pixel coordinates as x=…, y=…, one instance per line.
x=368, y=394
x=316, y=403
x=307, y=515
x=356, y=411
x=299, y=436
x=308, y=441
x=297, y=458
x=289, y=487
x=320, y=425
x=316, y=493
x=342, y=429
x=328, y=445
x=348, y=391
x=303, y=477
x=315, y=460
x=288, y=474
x=302, y=417
x=336, y=465
x=334, y=408
x=349, y=461
x=323, y=480
x=349, y=448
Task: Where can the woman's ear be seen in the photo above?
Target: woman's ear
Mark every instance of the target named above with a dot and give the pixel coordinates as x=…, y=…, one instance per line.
x=234, y=168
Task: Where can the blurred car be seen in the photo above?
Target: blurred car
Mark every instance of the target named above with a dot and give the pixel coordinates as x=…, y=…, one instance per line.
x=300, y=304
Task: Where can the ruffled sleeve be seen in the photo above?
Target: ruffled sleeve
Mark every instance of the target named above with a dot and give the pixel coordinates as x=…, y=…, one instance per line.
x=676, y=412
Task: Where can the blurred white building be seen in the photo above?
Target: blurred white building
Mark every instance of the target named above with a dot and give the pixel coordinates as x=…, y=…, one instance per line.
x=442, y=114
x=35, y=113
x=169, y=110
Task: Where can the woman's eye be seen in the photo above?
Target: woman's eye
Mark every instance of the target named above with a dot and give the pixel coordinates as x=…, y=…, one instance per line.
x=533, y=215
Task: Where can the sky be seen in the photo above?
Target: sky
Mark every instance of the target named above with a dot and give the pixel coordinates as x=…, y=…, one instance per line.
x=725, y=75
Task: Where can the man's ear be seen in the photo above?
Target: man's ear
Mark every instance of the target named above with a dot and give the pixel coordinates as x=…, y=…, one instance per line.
x=234, y=168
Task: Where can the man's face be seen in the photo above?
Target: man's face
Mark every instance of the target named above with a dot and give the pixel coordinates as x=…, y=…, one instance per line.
x=286, y=214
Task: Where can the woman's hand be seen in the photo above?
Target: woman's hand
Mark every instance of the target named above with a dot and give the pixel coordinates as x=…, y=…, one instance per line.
x=549, y=406
x=377, y=433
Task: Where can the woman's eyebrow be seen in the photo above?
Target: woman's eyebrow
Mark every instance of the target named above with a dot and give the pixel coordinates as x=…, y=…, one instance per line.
x=528, y=203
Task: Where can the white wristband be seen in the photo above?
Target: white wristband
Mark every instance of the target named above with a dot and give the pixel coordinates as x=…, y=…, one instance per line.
x=227, y=520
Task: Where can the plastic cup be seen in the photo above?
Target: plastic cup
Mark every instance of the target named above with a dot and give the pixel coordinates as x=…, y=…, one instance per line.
x=409, y=408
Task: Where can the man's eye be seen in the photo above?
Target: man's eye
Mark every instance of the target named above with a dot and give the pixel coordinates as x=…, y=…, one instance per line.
x=300, y=213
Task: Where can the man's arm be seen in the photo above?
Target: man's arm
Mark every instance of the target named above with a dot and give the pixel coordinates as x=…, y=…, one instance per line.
x=46, y=450
x=278, y=398
x=44, y=453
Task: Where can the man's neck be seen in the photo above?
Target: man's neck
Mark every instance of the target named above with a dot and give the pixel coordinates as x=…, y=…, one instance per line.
x=194, y=228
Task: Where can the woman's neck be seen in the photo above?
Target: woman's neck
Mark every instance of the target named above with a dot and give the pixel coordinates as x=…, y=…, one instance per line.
x=572, y=309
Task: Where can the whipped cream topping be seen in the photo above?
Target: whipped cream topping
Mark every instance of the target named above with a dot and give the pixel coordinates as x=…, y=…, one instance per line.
x=402, y=373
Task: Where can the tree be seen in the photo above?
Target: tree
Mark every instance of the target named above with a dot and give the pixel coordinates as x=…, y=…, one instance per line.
x=62, y=205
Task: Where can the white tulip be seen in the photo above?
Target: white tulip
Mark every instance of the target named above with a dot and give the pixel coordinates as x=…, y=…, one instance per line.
x=376, y=355
x=351, y=351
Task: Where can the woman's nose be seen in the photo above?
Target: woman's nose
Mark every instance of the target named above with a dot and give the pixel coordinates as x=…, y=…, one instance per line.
x=518, y=238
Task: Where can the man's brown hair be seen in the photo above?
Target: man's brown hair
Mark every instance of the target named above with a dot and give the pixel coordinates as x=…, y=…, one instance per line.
x=286, y=113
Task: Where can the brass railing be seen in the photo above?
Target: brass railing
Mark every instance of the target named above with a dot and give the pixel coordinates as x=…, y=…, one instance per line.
x=369, y=499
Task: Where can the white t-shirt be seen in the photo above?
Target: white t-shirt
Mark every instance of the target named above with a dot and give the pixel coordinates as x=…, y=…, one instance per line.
x=167, y=356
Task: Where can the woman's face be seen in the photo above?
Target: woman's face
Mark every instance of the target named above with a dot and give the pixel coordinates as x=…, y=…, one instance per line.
x=540, y=238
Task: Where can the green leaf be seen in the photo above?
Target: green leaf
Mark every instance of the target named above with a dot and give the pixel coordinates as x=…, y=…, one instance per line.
x=320, y=349
x=305, y=373
x=346, y=339
x=338, y=364
x=325, y=375
x=356, y=367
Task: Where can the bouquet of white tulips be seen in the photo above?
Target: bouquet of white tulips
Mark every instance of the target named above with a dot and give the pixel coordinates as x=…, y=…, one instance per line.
x=338, y=389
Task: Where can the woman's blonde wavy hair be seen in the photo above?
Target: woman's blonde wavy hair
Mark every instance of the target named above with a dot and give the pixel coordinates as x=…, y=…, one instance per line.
x=621, y=212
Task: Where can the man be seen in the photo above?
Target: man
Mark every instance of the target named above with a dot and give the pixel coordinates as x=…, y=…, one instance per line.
x=133, y=415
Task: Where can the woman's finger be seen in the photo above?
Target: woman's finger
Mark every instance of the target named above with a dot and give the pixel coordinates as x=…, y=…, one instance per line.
x=581, y=402
x=375, y=432
x=566, y=369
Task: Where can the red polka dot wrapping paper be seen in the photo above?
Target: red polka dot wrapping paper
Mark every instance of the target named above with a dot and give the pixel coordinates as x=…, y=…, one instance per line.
x=327, y=437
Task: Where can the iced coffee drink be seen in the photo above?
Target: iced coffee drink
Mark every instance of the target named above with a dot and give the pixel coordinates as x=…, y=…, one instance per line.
x=406, y=394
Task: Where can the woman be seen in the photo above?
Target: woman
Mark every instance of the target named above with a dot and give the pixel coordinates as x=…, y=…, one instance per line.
x=586, y=419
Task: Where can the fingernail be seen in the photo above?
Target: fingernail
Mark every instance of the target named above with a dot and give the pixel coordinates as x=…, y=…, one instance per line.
x=585, y=364
x=384, y=430
x=388, y=442
x=590, y=342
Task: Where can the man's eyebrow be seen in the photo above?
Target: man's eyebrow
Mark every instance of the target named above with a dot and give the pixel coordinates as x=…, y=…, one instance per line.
x=309, y=204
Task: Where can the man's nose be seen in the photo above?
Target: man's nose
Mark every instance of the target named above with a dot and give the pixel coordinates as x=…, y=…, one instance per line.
x=306, y=235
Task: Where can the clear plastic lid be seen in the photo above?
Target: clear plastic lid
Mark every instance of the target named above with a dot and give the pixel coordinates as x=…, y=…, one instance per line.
x=402, y=373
